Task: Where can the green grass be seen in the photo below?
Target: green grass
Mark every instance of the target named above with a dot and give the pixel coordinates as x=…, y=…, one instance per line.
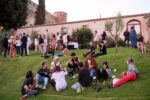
x=13, y=71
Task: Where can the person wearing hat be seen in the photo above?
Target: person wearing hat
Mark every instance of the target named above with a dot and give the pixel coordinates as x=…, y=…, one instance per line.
x=131, y=74
x=102, y=48
x=54, y=64
x=73, y=63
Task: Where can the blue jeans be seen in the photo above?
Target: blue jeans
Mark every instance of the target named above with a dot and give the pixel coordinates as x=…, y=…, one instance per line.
x=18, y=50
x=59, y=54
x=33, y=92
x=92, y=72
x=5, y=51
x=40, y=78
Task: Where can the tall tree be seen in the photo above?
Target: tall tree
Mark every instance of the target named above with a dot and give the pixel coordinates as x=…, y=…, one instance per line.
x=115, y=27
x=40, y=13
x=13, y=13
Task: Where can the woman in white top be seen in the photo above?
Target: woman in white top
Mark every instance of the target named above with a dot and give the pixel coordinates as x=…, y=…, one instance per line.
x=18, y=45
x=28, y=43
x=36, y=43
x=65, y=40
x=58, y=80
x=54, y=64
x=45, y=43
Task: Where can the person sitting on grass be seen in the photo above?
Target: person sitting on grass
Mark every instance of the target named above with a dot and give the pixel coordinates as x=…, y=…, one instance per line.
x=64, y=51
x=50, y=51
x=54, y=64
x=91, y=50
x=42, y=75
x=58, y=79
x=91, y=64
x=28, y=88
x=84, y=79
x=141, y=45
x=75, y=61
x=131, y=74
x=102, y=49
x=103, y=73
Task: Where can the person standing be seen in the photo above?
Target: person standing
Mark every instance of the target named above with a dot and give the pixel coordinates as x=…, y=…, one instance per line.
x=104, y=37
x=5, y=45
x=36, y=43
x=53, y=41
x=45, y=44
x=28, y=43
x=18, y=45
x=24, y=44
x=58, y=40
x=133, y=37
x=65, y=40
x=126, y=37
x=12, y=48
x=96, y=38
x=41, y=42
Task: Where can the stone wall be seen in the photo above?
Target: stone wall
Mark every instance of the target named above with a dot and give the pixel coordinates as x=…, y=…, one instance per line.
x=94, y=24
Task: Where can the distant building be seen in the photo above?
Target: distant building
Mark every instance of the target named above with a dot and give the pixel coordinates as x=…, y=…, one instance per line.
x=57, y=17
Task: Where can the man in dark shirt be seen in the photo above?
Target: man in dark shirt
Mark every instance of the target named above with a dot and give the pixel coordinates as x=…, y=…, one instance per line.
x=41, y=42
x=24, y=44
x=102, y=49
x=5, y=45
x=42, y=75
x=84, y=79
x=91, y=50
x=126, y=37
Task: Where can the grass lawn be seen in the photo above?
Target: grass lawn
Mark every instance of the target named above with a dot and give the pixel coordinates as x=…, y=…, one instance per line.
x=13, y=71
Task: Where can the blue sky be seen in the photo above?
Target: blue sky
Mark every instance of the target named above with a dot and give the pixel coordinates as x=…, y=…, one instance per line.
x=90, y=9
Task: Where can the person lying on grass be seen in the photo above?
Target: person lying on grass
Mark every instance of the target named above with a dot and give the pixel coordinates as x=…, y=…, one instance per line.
x=84, y=79
x=103, y=73
x=131, y=74
x=43, y=75
x=28, y=88
x=73, y=63
x=64, y=51
x=58, y=79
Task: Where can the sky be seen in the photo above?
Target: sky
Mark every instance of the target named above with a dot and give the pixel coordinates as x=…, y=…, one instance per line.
x=91, y=9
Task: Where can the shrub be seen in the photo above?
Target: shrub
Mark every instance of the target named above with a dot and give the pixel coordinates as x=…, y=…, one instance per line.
x=84, y=36
x=34, y=34
x=120, y=42
x=110, y=42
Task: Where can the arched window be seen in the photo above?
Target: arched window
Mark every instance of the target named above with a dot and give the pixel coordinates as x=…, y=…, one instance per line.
x=136, y=24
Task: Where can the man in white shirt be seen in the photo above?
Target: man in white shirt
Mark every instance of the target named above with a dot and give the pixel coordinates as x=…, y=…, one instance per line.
x=28, y=43
x=95, y=38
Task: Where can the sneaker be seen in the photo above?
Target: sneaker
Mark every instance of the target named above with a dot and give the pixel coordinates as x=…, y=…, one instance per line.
x=22, y=97
x=73, y=77
x=110, y=86
x=44, y=88
x=98, y=88
x=78, y=90
x=94, y=77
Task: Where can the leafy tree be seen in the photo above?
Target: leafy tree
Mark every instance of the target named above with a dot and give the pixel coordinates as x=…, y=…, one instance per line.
x=115, y=27
x=40, y=13
x=84, y=36
x=13, y=13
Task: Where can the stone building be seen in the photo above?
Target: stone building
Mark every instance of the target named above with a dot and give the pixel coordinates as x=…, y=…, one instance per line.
x=138, y=20
x=57, y=17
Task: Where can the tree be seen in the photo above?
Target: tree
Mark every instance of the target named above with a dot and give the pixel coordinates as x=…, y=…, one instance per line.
x=13, y=13
x=115, y=27
x=84, y=36
x=40, y=13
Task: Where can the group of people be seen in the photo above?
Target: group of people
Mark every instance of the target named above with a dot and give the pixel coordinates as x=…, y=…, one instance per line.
x=136, y=41
x=16, y=45
x=85, y=72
